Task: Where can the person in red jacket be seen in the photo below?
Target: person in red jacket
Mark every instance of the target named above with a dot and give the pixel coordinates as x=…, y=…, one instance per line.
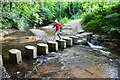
x=58, y=27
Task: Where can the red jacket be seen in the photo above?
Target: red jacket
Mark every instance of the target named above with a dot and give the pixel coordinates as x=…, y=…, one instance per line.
x=57, y=25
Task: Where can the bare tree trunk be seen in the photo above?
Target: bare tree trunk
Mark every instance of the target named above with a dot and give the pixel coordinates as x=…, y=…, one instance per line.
x=69, y=8
x=60, y=11
x=73, y=9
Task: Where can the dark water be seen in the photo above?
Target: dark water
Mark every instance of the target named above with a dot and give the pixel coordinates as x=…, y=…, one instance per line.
x=73, y=62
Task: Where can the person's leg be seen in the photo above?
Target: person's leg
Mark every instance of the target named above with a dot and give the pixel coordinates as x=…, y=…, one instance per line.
x=55, y=36
x=60, y=29
x=58, y=34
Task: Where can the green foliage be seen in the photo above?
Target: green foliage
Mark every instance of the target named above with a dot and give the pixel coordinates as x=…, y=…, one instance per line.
x=29, y=14
x=46, y=15
x=87, y=18
x=102, y=19
x=20, y=14
x=64, y=20
x=6, y=24
x=76, y=16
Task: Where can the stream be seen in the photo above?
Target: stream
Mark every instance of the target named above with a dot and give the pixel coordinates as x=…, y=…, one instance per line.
x=78, y=61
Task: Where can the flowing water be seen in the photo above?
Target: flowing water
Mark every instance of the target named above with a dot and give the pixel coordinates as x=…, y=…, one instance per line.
x=78, y=61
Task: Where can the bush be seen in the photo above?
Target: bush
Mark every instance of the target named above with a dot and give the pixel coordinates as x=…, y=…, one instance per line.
x=87, y=18
x=93, y=25
x=64, y=20
x=103, y=20
x=46, y=15
x=76, y=16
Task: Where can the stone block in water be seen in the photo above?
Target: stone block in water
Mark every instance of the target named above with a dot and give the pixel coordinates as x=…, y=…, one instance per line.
x=15, y=56
x=87, y=35
x=30, y=52
x=1, y=62
x=96, y=37
x=80, y=37
x=69, y=41
x=82, y=41
x=75, y=39
x=52, y=46
x=42, y=49
x=61, y=44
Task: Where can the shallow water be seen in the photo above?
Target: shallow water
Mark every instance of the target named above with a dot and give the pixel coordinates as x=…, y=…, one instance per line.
x=73, y=62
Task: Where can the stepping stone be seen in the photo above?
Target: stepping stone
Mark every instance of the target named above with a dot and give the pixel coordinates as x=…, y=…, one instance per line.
x=15, y=56
x=42, y=49
x=61, y=44
x=52, y=46
x=1, y=62
x=82, y=41
x=80, y=37
x=30, y=52
x=69, y=41
x=75, y=39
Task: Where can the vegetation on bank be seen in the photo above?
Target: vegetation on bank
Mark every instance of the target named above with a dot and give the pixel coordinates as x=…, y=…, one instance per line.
x=98, y=17
x=102, y=18
x=29, y=14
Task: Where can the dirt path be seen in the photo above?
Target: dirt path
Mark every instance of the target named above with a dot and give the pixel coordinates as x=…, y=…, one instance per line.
x=76, y=25
x=73, y=27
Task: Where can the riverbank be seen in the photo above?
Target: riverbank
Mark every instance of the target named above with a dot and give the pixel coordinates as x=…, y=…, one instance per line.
x=77, y=61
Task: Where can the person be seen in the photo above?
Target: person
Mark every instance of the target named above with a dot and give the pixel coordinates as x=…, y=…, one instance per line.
x=58, y=27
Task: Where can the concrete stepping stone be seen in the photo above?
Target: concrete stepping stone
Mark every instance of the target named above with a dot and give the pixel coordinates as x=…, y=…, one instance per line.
x=61, y=44
x=30, y=52
x=15, y=56
x=52, y=46
x=42, y=49
x=69, y=41
x=75, y=39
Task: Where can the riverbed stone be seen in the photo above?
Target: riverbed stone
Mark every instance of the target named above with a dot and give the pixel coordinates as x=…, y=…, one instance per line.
x=75, y=39
x=3, y=73
x=15, y=56
x=69, y=41
x=42, y=49
x=52, y=46
x=30, y=52
x=61, y=44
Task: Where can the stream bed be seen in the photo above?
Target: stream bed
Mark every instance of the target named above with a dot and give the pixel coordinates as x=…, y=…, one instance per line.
x=78, y=61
